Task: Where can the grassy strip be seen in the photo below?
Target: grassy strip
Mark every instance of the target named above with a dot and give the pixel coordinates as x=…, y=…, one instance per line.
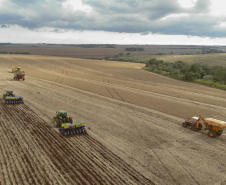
x=211, y=84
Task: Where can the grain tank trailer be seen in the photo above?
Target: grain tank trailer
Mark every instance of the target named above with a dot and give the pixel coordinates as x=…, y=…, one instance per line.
x=214, y=127
x=20, y=75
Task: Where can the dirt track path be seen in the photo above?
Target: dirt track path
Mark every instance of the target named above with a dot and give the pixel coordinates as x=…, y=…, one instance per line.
x=135, y=118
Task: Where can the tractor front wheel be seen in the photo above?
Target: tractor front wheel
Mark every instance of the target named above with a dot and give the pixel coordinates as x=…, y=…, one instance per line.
x=54, y=121
x=212, y=133
x=57, y=123
x=184, y=124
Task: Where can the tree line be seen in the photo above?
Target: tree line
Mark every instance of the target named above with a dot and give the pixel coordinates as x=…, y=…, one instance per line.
x=201, y=73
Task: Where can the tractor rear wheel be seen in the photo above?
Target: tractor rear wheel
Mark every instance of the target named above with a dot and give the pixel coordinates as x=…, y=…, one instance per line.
x=70, y=120
x=60, y=123
x=194, y=127
x=212, y=133
x=184, y=124
x=219, y=133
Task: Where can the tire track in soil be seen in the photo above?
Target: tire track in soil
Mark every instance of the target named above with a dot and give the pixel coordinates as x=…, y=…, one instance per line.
x=63, y=144
x=41, y=131
x=160, y=141
x=27, y=158
x=6, y=153
x=135, y=176
x=141, y=136
x=25, y=126
x=7, y=148
x=50, y=177
x=93, y=165
x=87, y=164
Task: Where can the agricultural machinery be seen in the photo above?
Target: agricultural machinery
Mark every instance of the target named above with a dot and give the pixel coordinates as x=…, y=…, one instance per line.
x=66, y=125
x=19, y=76
x=15, y=69
x=215, y=127
x=10, y=98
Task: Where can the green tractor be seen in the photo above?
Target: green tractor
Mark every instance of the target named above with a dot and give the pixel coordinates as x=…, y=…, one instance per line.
x=10, y=98
x=66, y=125
x=61, y=117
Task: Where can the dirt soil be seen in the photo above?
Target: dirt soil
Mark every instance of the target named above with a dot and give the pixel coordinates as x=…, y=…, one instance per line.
x=134, y=125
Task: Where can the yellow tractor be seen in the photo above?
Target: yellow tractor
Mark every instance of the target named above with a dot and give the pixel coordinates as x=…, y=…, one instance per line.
x=15, y=69
x=215, y=127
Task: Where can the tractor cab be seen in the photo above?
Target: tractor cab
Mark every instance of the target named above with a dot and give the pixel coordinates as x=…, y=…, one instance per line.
x=62, y=114
x=61, y=117
x=9, y=93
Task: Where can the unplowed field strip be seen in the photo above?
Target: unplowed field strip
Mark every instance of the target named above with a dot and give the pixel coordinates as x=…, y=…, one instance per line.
x=33, y=153
x=143, y=93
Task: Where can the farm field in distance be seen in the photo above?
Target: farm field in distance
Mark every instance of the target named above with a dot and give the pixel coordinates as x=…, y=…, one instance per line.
x=210, y=59
x=134, y=116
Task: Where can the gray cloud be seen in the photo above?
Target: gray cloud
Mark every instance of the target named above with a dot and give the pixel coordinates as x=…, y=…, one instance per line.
x=138, y=16
x=4, y=26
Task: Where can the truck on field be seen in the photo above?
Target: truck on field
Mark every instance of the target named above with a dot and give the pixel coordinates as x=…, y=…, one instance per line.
x=214, y=127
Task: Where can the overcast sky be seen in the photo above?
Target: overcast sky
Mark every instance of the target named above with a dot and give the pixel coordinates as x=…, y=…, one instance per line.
x=201, y=22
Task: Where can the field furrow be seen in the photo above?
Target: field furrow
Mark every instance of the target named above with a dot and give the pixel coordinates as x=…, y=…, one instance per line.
x=75, y=159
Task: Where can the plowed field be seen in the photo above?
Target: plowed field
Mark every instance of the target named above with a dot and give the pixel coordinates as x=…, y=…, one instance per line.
x=134, y=119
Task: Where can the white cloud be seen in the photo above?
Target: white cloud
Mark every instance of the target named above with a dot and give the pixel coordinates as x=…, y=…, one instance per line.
x=187, y=3
x=217, y=8
x=2, y=2
x=222, y=25
x=76, y=5
x=17, y=34
x=45, y=19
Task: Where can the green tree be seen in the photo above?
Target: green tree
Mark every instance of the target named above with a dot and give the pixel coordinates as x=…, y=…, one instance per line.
x=197, y=75
x=189, y=76
x=197, y=68
x=220, y=75
x=208, y=77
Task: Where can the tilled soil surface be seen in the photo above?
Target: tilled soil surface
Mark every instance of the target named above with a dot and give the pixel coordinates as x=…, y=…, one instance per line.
x=134, y=125
x=33, y=153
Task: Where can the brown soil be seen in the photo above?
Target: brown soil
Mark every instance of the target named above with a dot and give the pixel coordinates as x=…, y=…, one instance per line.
x=134, y=116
